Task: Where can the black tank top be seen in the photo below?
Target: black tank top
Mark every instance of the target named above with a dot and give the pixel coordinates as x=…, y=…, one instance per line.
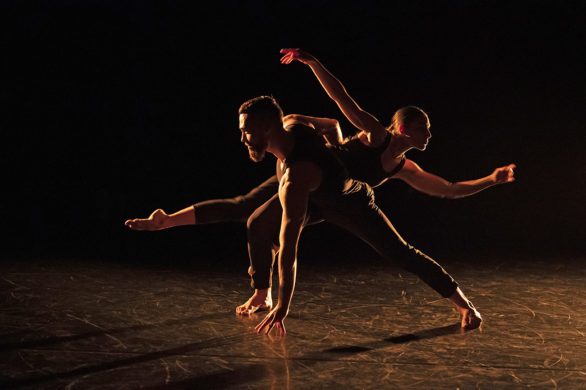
x=364, y=162
x=308, y=146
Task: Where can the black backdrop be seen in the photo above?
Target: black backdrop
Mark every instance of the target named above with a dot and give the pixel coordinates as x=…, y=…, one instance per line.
x=114, y=108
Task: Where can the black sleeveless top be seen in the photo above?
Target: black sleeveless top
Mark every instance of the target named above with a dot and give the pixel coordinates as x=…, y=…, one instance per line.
x=364, y=163
x=308, y=146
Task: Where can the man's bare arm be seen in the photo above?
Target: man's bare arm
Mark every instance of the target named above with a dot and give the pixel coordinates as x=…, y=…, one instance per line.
x=296, y=185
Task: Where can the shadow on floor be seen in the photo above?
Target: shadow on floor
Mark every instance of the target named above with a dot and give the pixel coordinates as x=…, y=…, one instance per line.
x=36, y=379
x=401, y=339
x=45, y=342
x=220, y=380
x=224, y=378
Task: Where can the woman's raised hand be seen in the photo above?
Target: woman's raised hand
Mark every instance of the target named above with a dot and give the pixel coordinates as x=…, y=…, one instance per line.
x=289, y=55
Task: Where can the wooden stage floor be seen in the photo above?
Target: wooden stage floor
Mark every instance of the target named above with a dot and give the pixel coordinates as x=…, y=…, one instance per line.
x=99, y=325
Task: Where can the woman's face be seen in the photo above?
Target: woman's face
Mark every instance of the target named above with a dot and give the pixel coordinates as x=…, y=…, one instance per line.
x=418, y=132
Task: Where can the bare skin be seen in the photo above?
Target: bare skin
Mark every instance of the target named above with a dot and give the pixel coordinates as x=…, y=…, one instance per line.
x=261, y=300
x=159, y=220
x=471, y=318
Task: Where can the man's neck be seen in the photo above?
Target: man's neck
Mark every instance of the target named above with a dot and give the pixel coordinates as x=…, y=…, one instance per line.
x=281, y=144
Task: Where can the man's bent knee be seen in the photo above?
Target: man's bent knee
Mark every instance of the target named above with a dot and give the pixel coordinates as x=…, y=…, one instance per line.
x=258, y=228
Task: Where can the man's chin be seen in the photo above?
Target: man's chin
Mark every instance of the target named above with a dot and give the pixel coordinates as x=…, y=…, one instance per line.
x=256, y=156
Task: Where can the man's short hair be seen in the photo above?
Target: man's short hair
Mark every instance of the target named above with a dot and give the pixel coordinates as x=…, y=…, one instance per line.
x=265, y=106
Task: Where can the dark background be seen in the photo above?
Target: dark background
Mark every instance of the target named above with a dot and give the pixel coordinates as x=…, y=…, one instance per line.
x=114, y=108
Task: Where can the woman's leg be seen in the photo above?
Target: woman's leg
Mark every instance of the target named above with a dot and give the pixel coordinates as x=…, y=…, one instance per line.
x=236, y=209
x=358, y=213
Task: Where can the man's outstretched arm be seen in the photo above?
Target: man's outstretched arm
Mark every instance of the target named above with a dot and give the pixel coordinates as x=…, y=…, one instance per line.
x=297, y=183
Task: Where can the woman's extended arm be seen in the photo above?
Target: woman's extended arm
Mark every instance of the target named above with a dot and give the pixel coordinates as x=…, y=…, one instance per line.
x=327, y=127
x=431, y=184
x=336, y=91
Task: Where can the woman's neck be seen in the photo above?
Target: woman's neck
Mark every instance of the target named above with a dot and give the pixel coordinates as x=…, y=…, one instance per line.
x=397, y=146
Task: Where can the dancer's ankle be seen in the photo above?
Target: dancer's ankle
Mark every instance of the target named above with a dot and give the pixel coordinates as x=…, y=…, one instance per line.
x=262, y=293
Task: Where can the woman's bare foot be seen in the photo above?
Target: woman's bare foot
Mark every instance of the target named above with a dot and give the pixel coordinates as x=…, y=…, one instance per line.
x=261, y=300
x=471, y=318
x=156, y=221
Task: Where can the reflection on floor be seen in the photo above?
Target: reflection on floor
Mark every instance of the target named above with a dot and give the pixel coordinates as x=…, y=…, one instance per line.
x=83, y=325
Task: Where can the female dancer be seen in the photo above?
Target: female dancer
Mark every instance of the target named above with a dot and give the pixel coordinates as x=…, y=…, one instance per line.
x=384, y=155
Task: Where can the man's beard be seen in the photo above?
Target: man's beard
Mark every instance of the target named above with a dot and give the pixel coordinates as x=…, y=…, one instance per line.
x=256, y=154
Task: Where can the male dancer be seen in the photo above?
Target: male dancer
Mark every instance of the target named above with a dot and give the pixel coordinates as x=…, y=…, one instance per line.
x=313, y=181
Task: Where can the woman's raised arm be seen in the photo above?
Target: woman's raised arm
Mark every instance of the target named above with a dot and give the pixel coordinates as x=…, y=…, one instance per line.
x=336, y=91
x=329, y=128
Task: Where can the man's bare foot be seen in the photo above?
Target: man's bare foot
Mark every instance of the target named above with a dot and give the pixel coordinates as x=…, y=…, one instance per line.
x=156, y=221
x=261, y=300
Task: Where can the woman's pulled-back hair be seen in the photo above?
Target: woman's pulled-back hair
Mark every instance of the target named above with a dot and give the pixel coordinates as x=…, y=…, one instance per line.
x=265, y=106
x=406, y=115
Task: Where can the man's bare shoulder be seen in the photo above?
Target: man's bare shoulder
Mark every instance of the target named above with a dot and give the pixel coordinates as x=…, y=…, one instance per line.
x=303, y=174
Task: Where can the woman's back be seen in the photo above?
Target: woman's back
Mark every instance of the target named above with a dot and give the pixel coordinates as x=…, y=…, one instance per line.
x=364, y=162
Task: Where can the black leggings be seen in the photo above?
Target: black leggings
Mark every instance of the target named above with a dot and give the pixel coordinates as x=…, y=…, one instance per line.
x=236, y=209
x=355, y=211
x=261, y=209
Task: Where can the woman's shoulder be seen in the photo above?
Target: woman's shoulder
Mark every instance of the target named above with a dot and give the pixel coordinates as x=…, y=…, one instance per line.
x=360, y=139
